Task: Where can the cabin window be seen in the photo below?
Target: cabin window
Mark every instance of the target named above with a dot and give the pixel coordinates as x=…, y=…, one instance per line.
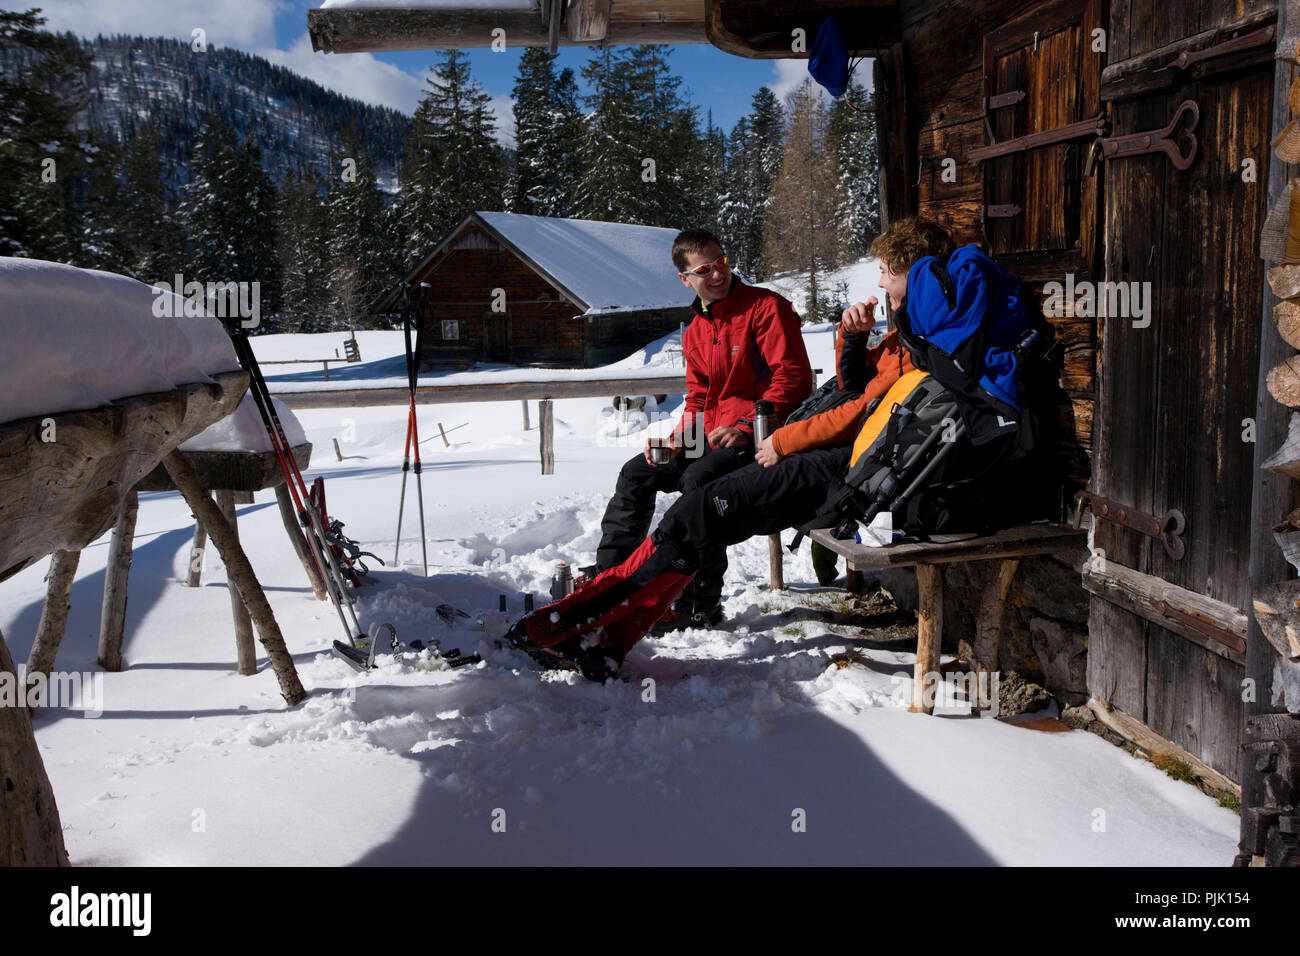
x=450, y=330
x=1042, y=74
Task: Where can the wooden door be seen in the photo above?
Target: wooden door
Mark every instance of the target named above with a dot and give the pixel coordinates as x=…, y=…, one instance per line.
x=496, y=337
x=1175, y=395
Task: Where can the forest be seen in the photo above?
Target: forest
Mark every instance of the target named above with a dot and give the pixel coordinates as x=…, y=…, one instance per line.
x=147, y=157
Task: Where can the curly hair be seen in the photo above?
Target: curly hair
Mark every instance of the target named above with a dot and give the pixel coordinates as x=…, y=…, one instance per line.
x=908, y=240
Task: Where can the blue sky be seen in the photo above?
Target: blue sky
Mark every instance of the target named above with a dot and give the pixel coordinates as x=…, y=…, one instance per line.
x=277, y=29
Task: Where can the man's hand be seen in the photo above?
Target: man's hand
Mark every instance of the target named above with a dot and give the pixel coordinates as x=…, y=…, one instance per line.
x=668, y=443
x=766, y=455
x=724, y=436
x=860, y=316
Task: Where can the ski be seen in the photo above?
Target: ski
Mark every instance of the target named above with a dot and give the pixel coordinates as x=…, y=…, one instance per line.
x=412, y=429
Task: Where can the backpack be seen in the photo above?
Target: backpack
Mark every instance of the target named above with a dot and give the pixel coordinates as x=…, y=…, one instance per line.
x=955, y=445
x=828, y=396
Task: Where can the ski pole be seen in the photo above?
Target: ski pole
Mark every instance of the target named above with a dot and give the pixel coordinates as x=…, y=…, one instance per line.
x=406, y=451
x=415, y=431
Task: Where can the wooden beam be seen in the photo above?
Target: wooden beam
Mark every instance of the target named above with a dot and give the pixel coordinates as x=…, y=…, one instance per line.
x=1144, y=595
x=61, y=495
x=588, y=21
x=1277, y=610
x=300, y=546
x=488, y=392
x=383, y=30
x=1138, y=733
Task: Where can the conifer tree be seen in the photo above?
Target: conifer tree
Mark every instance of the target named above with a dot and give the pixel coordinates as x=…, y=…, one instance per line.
x=453, y=164
x=852, y=134
x=302, y=254
x=803, y=229
x=41, y=151
x=547, y=131
x=754, y=162
x=359, y=256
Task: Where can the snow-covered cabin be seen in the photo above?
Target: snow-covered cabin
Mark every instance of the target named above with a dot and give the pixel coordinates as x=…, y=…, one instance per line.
x=533, y=290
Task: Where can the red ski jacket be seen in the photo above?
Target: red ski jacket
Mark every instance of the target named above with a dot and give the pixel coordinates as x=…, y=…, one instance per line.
x=744, y=347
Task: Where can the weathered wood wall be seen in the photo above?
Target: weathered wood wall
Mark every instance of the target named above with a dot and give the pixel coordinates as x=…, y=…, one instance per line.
x=945, y=73
x=1176, y=395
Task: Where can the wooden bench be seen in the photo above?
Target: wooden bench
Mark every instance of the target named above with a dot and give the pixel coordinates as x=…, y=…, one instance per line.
x=1007, y=547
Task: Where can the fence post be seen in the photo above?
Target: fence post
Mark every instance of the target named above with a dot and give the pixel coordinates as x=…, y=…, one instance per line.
x=546, y=424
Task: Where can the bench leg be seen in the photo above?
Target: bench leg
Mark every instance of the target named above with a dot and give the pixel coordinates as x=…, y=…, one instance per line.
x=853, y=582
x=929, y=637
x=993, y=605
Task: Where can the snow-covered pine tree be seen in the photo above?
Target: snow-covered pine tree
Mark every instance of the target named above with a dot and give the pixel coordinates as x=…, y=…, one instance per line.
x=360, y=260
x=547, y=131
x=453, y=164
x=301, y=251
x=853, y=135
x=754, y=162
x=41, y=150
x=229, y=209
x=609, y=185
x=803, y=229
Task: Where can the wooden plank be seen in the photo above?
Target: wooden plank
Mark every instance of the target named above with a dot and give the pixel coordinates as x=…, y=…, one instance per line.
x=941, y=549
x=1140, y=593
x=488, y=392
x=1138, y=733
x=1129, y=76
x=232, y=470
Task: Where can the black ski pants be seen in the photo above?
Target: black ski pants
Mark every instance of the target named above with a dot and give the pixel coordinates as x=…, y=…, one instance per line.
x=754, y=500
x=631, y=509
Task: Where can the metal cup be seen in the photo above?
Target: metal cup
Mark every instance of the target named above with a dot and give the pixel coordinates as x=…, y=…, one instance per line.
x=660, y=454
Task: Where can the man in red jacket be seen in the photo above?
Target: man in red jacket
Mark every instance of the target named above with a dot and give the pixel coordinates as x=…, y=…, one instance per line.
x=743, y=345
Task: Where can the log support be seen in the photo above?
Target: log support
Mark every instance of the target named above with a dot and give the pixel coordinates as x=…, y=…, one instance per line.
x=112, y=618
x=993, y=604
x=54, y=615
x=192, y=578
x=546, y=426
x=929, y=635
x=300, y=543
x=245, y=651
x=241, y=575
x=30, y=831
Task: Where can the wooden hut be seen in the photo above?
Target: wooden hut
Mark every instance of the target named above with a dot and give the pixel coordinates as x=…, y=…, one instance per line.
x=533, y=290
x=1119, y=155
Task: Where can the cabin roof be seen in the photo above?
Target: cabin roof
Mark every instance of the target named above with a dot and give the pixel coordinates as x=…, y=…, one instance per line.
x=603, y=267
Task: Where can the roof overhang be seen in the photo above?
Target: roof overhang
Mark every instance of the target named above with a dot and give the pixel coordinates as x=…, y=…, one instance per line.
x=748, y=28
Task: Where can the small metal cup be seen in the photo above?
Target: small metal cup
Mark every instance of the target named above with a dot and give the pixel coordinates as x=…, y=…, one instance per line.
x=660, y=454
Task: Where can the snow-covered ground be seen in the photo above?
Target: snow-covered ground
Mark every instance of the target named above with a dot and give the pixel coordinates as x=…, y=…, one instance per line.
x=749, y=744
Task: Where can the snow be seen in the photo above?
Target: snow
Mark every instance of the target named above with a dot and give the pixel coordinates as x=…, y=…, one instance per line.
x=242, y=430
x=79, y=338
x=611, y=266
x=717, y=745
x=862, y=279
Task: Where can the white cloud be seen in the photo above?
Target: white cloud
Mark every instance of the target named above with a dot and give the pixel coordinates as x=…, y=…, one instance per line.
x=790, y=74
x=358, y=75
x=503, y=105
x=245, y=24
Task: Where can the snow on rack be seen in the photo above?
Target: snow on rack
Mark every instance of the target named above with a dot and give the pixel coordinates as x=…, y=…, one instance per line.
x=243, y=430
x=78, y=338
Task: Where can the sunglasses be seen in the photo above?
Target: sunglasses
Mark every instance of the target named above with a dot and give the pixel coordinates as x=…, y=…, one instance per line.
x=708, y=267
